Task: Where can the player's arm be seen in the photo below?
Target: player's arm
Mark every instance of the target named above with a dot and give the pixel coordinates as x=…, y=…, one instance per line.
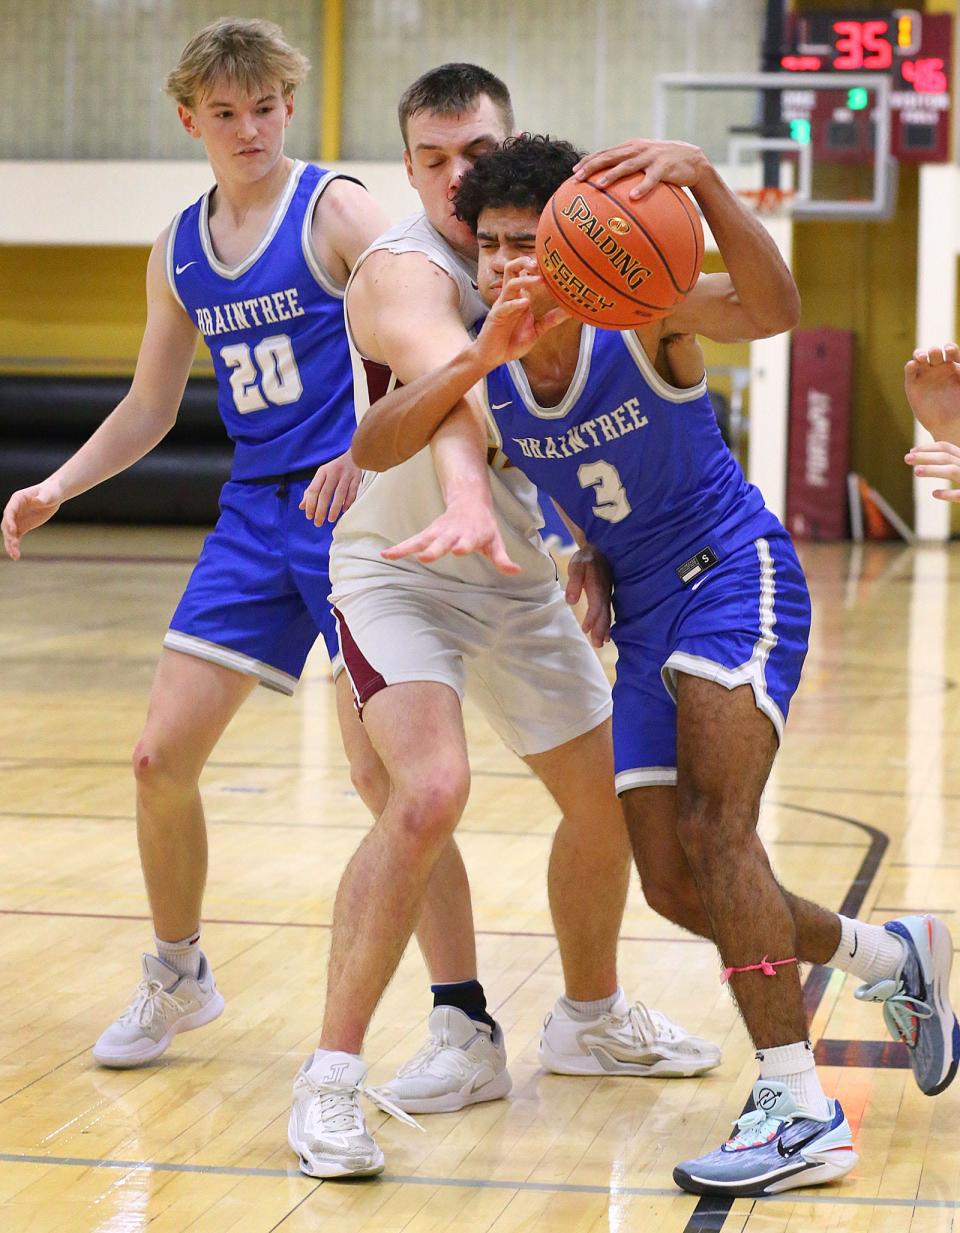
x=931, y=380
x=401, y=423
x=345, y=223
x=139, y=421
x=588, y=575
x=757, y=297
x=404, y=310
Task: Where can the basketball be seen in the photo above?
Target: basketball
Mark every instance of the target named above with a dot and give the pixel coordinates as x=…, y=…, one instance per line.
x=618, y=263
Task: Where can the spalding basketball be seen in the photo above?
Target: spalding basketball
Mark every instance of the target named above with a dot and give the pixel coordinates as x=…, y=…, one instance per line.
x=619, y=263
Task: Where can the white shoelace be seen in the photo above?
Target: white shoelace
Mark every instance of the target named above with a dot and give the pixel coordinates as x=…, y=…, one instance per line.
x=151, y=1000
x=339, y=1108
x=648, y=1026
x=452, y=1061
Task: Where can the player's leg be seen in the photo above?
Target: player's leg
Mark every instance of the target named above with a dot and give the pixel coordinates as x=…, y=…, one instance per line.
x=382, y=889
x=590, y=852
x=735, y=663
x=543, y=690
x=670, y=889
x=417, y=730
x=191, y=703
x=593, y=1029
x=445, y=929
x=725, y=749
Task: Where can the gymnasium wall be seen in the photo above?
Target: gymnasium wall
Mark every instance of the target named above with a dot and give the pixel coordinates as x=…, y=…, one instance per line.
x=71, y=299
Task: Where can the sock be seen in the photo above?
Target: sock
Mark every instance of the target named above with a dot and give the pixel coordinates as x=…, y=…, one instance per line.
x=184, y=957
x=795, y=1068
x=868, y=951
x=584, y=1011
x=465, y=995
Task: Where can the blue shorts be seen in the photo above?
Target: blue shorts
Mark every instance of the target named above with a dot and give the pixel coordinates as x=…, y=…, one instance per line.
x=744, y=622
x=257, y=597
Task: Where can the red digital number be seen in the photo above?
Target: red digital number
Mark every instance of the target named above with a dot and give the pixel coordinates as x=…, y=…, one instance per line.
x=926, y=76
x=853, y=38
x=874, y=42
x=849, y=45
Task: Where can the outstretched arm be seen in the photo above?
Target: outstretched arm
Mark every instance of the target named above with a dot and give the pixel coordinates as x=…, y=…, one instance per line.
x=139, y=421
x=757, y=297
x=404, y=311
x=404, y=421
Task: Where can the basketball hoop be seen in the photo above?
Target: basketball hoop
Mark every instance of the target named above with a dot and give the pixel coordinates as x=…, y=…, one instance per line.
x=767, y=200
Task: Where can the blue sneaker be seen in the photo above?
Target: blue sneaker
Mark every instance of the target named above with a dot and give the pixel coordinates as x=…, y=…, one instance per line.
x=773, y=1148
x=916, y=1004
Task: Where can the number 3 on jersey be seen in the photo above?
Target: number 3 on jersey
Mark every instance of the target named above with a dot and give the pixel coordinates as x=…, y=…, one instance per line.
x=271, y=375
x=612, y=503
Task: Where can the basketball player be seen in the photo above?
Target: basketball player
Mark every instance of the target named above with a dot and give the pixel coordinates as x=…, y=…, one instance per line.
x=712, y=616
x=932, y=382
x=257, y=266
x=411, y=638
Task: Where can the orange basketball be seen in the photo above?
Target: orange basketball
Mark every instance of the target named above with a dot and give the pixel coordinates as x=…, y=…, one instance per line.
x=618, y=263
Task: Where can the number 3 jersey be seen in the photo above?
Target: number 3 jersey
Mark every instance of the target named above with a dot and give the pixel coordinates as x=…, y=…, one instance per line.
x=638, y=464
x=274, y=326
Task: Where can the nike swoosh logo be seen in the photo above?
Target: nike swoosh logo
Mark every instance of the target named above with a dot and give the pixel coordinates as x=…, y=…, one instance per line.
x=787, y=1152
x=856, y=943
x=181, y=268
x=498, y=406
x=698, y=583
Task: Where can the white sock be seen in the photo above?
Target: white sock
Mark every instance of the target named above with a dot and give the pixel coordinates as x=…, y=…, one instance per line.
x=868, y=951
x=184, y=956
x=794, y=1067
x=584, y=1011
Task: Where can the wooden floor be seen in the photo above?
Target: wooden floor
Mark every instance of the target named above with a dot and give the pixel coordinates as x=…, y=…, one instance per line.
x=863, y=811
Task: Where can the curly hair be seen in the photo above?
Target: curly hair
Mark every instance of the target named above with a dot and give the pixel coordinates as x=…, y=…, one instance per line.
x=524, y=172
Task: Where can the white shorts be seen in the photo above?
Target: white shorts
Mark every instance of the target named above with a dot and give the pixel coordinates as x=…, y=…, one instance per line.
x=523, y=660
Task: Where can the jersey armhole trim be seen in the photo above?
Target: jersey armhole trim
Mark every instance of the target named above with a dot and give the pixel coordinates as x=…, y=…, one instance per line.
x=316, y=267
x=168, y=261
x=660, y=387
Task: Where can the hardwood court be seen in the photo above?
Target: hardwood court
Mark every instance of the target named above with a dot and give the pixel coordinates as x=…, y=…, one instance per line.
x=863, y=811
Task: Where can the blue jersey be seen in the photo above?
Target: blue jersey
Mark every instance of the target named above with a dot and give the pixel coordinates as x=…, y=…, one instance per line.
x=638, y=464
x=274, y=326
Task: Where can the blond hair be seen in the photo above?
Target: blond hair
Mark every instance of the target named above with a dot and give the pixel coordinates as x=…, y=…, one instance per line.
x=249, y=53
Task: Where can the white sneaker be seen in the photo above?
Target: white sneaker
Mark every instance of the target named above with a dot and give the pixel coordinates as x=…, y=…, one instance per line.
x=627, y=1040
x=462, y=1063
x=164, y=1004
x=326, y=1127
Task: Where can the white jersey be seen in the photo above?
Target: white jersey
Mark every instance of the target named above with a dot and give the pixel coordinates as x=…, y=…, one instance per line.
x=393, y=505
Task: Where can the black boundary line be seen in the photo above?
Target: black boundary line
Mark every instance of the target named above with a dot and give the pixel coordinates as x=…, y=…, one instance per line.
x=711, y=1211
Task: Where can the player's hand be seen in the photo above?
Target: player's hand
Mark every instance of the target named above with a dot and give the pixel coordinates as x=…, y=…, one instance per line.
x=589, y=574
x=517, y=319
x=465, y=526
x=27, y=509
x=941, y=460
x=676, y=162
x=332, y=490
x=931, y=381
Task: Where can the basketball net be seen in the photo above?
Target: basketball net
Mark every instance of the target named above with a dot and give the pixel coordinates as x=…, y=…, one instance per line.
x=767, y=200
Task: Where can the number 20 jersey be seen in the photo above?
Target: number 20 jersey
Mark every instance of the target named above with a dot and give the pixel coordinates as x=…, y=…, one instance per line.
x=638, y=464
x=274, y=326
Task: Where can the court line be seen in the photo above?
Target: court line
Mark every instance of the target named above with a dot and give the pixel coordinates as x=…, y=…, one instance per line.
x=463, y=1183
x=51, y=816
x=308, y=924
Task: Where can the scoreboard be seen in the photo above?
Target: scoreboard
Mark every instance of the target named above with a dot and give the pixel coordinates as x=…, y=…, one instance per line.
x=913, y=49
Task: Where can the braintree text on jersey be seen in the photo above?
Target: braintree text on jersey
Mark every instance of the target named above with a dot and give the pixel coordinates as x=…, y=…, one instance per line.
x=258, y=310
